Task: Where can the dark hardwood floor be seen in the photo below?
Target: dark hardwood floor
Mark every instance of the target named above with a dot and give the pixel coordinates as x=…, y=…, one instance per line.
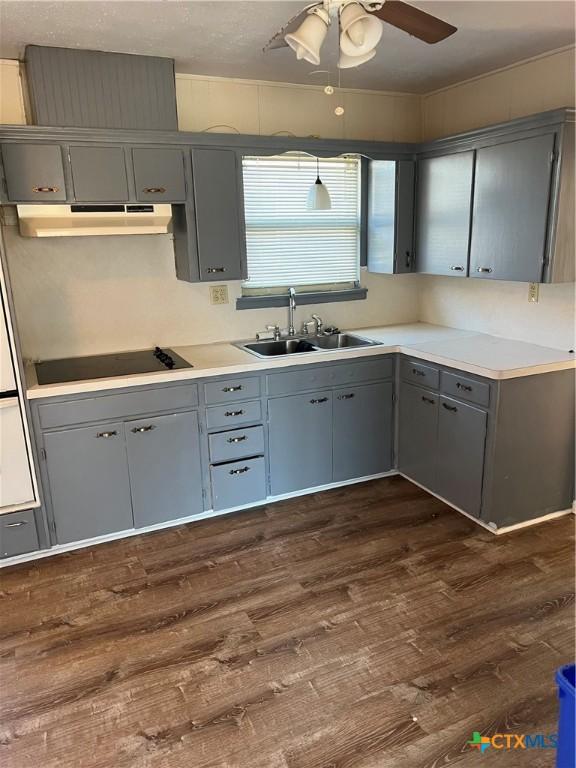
x=365, y=627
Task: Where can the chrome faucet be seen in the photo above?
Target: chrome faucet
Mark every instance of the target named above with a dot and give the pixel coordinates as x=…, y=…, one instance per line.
x=291, y=310
x=319, y=324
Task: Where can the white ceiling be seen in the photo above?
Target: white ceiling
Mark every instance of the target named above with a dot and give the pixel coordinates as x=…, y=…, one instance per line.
x=226, y=38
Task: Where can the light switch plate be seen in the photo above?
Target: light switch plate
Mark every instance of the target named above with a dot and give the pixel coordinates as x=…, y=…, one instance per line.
x=219, y=294
x=533, y=291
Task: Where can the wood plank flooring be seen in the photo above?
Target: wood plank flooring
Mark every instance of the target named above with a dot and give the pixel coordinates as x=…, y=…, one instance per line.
x=365, y=627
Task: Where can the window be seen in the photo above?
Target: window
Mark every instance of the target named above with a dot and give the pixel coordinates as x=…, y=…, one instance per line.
x=288, y=245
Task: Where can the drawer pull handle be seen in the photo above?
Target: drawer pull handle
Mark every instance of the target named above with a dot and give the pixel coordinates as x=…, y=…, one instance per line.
x=240, y=471
x=45, y=189
x=484, y=269
x=107, y=434
x=428, y=400
x=147, y=428
x=346, y=397
x=16, y=525
x=215, y=270
x=155, y=190
x=237, y=439
x=234, y=413
x=316, y=400
x=238, y=388
x=457, y=268
x=416, y=372
x=463, y=387
x=449, y=407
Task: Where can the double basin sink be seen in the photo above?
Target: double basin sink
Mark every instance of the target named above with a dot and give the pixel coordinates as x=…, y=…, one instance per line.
x=301, y=345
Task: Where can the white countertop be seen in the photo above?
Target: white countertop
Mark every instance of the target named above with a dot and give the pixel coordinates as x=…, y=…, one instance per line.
x=489, y=356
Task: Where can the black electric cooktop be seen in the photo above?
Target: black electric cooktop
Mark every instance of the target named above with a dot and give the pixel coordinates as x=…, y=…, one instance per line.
x=106, y=366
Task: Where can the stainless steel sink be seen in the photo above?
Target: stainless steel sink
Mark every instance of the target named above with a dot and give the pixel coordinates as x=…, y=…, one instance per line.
x=301, y=345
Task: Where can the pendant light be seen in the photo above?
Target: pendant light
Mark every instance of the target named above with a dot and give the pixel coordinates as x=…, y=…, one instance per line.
x=318, y=195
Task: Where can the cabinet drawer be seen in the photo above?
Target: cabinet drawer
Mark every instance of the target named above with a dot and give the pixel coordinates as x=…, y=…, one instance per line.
x=239, y=483
x=18, y=533
x=226, y=446
x=466, y=389
x=117, y=406
x=371, y=370
x=231, y=390
x=292, y=382
x=417, y=373
x=232, y=416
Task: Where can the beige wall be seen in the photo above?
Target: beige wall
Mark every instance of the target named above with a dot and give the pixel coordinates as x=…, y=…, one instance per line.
x=80, y=296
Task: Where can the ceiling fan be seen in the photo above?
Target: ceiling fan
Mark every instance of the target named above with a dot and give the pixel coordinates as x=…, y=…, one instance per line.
x=360, y=28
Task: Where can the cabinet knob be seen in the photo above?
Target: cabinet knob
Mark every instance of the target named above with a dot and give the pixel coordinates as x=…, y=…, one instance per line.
x=154, y=190
x=428, y=400
x=234, y=413
x=316, y=400
x=215, y=270
x=418, y=372
x=463, y=387
x=240, y=439
x=237, y=388
x=484, y=269
x=238, y=471
x=147, y=428
x=348, y=396
x=449, y=407
x=457, y=268
x=45, y=189
x=16, y=525
x=114, y=433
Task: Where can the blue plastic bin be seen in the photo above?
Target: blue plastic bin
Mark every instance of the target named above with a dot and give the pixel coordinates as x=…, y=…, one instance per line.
x=566, y=753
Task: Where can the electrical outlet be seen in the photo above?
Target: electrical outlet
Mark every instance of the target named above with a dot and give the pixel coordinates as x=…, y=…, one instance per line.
x=219, y=294
x=533, y=290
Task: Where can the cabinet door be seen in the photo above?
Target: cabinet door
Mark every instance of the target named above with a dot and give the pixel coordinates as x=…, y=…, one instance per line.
x=34, y=173
x=89, y=486
x=510, y=218
x=159, y=175
x=443, y=214
x=164, y=462
x=362, y=436
x=99, y=174
x=300, y=441
x=461, y=441
x=418, y=434
x=219, y=211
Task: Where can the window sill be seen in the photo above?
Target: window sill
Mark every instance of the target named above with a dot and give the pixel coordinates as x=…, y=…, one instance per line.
x=318, y=297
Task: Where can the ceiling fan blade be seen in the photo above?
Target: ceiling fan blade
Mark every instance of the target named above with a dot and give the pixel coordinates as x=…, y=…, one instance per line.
x=278, y=40
x=414, y=21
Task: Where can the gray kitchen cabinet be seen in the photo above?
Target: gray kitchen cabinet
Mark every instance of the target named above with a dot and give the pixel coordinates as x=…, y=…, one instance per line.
x=164, y=467
x=238, y=483
x=362, y=431
x=390, y=217
x=418, y=434
x=510, y=212
x=159, y=175
x=18, y=533
x=98, y=174
x=443, y=214
x=33, y=173
x=460, y=454
x=88, y=478
x=300, y=441
x=219, y=214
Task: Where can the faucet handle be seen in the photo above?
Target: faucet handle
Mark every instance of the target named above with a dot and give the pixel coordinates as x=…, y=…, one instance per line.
x=305, y=327
x=275, y=329
x=319, y=323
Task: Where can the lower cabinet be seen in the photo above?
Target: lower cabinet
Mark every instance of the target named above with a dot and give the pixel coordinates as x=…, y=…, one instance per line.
x=418, y=434
x=300, y=441
x=237, y=483
x=362, y=431
x=460, y=454
x=18, y=533
x=89, y=483
x=164, y=467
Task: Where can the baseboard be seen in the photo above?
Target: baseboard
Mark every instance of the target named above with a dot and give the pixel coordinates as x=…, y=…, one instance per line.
x=59, y=549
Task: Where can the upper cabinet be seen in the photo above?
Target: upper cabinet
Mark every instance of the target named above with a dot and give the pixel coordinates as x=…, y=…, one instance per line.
x=159, y=175
x=98, y=174
x=33, y=173
x=510, y=215
x=390, y=216
x=443, y=214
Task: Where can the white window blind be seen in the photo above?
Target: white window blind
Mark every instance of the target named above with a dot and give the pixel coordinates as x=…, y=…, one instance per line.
x=288, y=245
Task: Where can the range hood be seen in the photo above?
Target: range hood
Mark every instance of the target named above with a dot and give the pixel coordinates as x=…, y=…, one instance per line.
x=82, y=220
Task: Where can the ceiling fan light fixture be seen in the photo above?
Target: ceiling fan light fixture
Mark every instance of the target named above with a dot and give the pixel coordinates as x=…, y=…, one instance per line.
x=307, y=40
x=360, y=32
x=348, y=62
